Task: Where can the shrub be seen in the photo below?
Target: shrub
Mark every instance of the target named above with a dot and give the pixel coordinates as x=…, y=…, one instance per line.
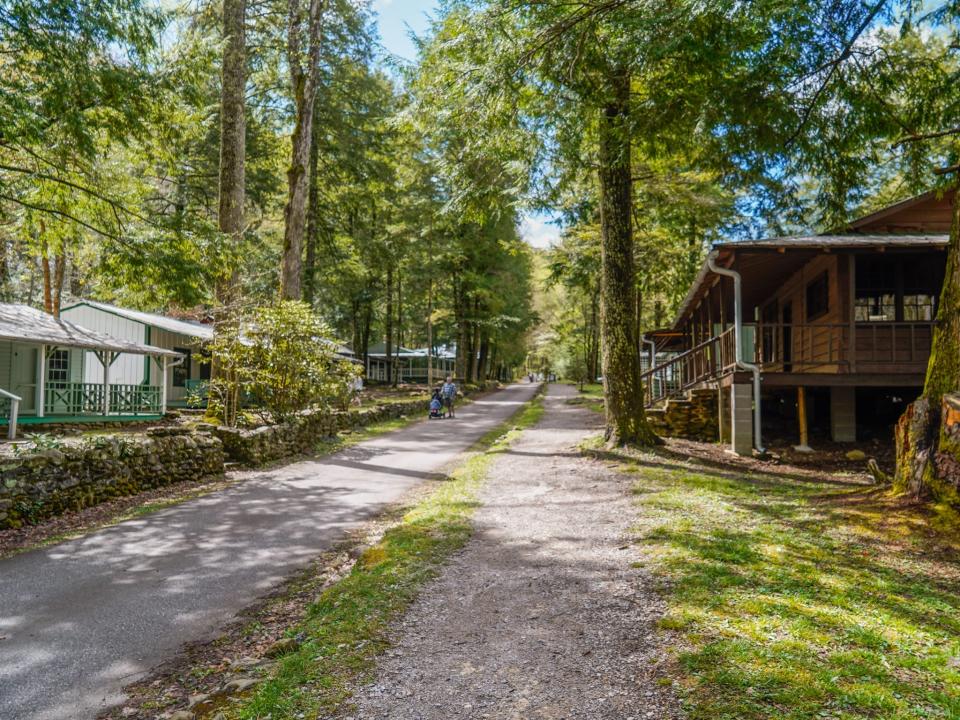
x=283, y=358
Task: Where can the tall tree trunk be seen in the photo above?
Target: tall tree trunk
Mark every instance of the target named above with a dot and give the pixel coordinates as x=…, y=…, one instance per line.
x=313, y=224
x=59, y=273
x=482, y=362
x=231, y=181
x=625, y=417
x=365, y=334
x=304, y=74
x=430, y=332
x=475, y=343
x=388, y=350
x=922, y=461
x=396, y=373
x=45, y=270
x=233, y=124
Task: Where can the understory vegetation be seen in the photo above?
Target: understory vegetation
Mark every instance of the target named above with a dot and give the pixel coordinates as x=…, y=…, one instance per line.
x=794, y=599
x=347, y=627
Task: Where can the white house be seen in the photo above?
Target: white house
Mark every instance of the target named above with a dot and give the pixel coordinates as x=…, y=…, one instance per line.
x=183, y=337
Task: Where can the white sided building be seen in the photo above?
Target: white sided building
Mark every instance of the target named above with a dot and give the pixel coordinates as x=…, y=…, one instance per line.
x=181, y=336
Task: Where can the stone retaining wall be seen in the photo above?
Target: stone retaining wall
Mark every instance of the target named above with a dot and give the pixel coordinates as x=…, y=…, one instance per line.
x=39, y=485
x=275, y=442
x=44, y=484
x=693, y=418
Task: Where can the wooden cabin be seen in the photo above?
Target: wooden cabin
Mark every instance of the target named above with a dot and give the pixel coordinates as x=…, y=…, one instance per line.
x=839, y=325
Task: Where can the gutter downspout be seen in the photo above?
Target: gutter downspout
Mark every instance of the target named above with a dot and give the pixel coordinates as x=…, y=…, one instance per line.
x=738, y=348
x=653, y=350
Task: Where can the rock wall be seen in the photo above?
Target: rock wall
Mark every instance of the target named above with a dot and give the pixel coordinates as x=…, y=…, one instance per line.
x=693, y=418
x=44, y=484
x=275, y=442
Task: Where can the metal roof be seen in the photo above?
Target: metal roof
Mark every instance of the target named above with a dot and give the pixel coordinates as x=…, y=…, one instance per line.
x=835, y=241
x=808, y=242
x=187, y=328
x=27, y=324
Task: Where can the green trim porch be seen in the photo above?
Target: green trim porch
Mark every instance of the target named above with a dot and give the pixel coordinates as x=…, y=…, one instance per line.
x=43, y=372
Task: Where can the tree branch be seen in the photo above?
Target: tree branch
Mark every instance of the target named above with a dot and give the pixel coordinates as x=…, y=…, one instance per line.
x=834, y=65
x=917, y=137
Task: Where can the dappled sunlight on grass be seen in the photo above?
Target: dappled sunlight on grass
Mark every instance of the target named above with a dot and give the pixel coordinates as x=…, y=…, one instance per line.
x=797, y=599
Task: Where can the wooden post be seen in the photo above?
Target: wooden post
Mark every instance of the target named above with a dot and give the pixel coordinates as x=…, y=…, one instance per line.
x=163, y=384
x=852, y=301
x=804, y=445
x=41, y=390
x=105, y=361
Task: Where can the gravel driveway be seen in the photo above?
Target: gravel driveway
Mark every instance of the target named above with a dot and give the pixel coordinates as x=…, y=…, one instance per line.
x=542, y=615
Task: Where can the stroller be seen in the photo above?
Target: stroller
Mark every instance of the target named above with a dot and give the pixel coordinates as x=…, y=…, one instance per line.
x=436, y=406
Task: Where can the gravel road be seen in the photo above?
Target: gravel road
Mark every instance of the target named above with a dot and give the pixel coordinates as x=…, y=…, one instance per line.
x=541, y=616
x=81, y=620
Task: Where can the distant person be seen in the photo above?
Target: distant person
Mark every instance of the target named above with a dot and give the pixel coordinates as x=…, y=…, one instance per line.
x=449, y=393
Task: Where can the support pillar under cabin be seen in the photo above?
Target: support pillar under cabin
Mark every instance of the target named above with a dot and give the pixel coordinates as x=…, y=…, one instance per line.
x=723, y=414
x=741, y=418
x=843, y=414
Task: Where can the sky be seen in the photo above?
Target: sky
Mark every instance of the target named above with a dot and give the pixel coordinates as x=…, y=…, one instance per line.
x=396, y=19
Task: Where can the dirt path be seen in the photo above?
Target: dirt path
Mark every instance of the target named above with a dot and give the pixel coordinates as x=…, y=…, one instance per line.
x=542, y=615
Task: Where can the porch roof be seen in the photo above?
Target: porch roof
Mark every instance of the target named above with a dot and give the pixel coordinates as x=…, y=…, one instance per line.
x=795, y=250
x=26, y=324
x=186, y=328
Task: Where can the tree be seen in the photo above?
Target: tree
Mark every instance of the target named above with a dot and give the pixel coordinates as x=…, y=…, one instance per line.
x=303, y=58
x=233, y=128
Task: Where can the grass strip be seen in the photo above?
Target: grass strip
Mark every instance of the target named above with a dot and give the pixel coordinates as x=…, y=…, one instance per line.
x=349, y=624
x=801, y=600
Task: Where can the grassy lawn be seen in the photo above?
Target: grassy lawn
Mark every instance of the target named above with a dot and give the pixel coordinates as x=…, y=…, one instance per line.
x=349, y=624
x=796, y=599
x=591, y=397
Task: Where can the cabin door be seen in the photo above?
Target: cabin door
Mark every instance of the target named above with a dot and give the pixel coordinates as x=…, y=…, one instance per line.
x=23, y=377
x=787, y=336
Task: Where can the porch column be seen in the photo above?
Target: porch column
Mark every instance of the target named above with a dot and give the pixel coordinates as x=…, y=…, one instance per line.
x=804, y=445
x=163, y=384
x=41, y=389
x=105, y=361
x=723, y=413
x=741, y=418
x=843, y=414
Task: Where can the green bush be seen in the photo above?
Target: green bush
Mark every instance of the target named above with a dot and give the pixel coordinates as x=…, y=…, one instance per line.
x=281, y=356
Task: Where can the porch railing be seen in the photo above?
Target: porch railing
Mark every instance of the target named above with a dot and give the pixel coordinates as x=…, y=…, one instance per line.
x=832, y=347
x=709, y=360
x=10, y=409
x=70, y=398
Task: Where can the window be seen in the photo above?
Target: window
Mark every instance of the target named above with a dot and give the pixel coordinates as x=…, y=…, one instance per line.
x=181, y=372
x=892, y=289
x=876, y=296
x=919, y=300
x=818, y=297
x=58, y=367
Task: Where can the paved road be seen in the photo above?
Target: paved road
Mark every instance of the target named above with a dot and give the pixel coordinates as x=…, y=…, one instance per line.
x=81, y=620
